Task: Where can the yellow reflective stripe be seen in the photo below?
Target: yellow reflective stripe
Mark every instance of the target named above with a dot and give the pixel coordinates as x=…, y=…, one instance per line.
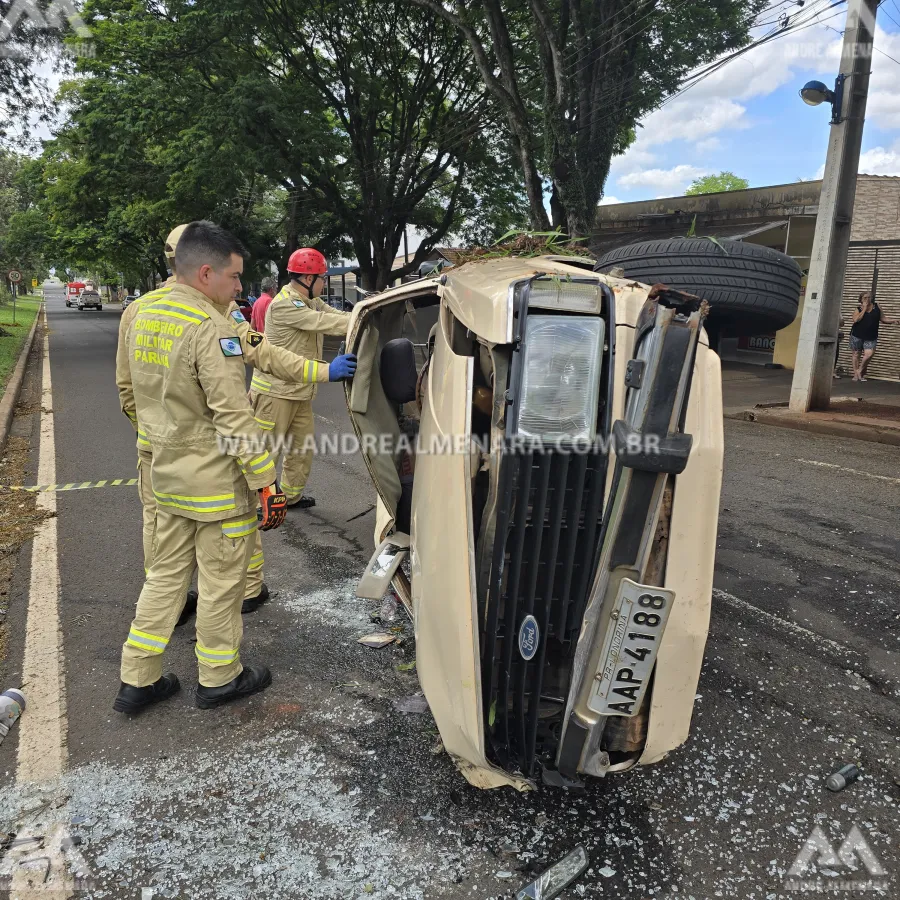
x=256, y=562
x=172, y=315
x=219, y=503
x=306, y=370
x=289, y=491
x=215, y=657
x=206, y=509
x=198, y=499
x=315, y=370
x=259, y=465
x=265, y=424
x=143, y=640
x=186, y=308
x=240, y=528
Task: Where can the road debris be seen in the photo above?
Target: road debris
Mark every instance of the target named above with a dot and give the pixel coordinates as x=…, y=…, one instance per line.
x=377, y=639
x=847, y=774
x=557, y=878
x=12, y=705
x=416, y=704
x=389, y=608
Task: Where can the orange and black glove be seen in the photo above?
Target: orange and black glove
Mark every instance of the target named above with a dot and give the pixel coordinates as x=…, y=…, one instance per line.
x=274, y=507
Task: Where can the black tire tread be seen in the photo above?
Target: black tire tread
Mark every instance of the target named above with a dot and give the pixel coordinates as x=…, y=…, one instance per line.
x=747, y=279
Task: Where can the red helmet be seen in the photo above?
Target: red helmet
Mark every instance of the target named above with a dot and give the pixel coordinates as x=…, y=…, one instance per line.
x=307, y=261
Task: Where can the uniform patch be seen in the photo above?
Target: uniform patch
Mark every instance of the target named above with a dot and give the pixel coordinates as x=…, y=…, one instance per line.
x=299, y=304
x=254, y=338
x=238, y=316
x=231, y=346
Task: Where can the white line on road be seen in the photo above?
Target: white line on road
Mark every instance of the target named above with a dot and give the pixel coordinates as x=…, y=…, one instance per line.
x=42, y=738
x=825, y=465
x=785, y=624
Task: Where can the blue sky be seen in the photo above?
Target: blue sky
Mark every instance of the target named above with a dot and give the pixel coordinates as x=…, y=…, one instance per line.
x=749, y=119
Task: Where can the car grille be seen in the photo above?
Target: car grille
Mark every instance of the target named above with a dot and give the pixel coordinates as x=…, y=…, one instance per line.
x=543, y=560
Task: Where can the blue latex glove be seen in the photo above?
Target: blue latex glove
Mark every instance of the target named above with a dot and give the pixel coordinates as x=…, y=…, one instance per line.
x=342, y=367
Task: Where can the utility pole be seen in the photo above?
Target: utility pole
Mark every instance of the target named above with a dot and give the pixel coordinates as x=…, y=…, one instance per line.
x=811, y=387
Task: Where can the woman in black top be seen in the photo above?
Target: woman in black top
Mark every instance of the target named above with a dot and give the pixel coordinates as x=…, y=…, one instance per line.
x=864, y=333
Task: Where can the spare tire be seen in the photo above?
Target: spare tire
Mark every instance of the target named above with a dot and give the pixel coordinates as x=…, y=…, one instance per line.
x=751, y=289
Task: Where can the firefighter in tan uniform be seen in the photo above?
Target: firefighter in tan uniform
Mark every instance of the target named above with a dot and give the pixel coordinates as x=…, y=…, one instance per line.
x=209, y=471
x=257, y=352
x=298, y=320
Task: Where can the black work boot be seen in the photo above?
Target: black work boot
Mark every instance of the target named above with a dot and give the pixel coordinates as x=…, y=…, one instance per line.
x=189, y=610
x=250, y=681
x=131, y=699
x=304, y=502
x=252, y=604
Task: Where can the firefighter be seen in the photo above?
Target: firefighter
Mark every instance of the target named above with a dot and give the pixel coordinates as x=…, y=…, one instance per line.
x=126, y=394
x=297, y=319
x=207, y=475
x=257, y=352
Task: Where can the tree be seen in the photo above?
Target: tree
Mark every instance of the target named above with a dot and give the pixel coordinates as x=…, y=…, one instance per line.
x=601, y=64
x=713, y=184
x=22, y=227
x=320, y=123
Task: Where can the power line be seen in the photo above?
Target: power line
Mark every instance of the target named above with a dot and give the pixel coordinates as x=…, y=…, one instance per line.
x=884, y=10
x=878, y=49
x=702, y=74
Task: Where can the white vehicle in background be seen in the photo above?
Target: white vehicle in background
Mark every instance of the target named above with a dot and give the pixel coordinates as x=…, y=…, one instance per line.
x=89, y=299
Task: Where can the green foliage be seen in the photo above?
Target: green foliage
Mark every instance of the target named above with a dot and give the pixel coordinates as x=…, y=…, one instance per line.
x=329, y=124
x=713, y=184
x=21, y=223
x=575, y=77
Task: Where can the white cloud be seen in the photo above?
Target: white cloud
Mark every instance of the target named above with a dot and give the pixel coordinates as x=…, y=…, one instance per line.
x=671, y=181
x=687, y=120
x=710, y=145
x=881, y=161
x=875, y=161
x=632, y=160
x=609, y=199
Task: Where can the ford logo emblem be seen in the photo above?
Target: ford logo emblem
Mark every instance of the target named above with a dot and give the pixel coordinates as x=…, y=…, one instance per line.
x=529, y=638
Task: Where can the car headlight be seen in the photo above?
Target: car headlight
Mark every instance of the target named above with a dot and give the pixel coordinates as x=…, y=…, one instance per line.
x=561, y=377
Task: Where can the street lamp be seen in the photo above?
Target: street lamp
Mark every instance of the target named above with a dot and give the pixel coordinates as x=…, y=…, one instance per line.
x=815, y=92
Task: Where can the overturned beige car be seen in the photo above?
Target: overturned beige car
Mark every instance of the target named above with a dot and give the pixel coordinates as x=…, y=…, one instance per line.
x=546, y=445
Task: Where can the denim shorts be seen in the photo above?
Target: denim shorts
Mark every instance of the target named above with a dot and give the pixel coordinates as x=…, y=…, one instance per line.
x=858, y=344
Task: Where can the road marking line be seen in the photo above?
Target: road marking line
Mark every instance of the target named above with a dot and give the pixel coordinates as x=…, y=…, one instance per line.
x=43, y=729
x=825, y=465
x=787, y=624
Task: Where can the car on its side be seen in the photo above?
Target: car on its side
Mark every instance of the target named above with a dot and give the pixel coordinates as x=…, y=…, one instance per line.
x=546, y=446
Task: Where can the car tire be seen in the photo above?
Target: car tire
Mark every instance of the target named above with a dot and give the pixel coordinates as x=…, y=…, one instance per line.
x=750, y=288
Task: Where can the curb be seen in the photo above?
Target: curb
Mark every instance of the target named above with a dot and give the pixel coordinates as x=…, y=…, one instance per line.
x=854, y=431
x=14, y=388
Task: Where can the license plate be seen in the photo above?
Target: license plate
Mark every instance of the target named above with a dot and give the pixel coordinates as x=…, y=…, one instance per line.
x=630, y=648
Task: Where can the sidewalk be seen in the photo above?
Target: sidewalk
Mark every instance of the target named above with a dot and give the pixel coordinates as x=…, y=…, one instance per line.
x=868, y=411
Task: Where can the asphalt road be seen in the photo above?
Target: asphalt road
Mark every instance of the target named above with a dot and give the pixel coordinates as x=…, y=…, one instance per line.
x=319, y=788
